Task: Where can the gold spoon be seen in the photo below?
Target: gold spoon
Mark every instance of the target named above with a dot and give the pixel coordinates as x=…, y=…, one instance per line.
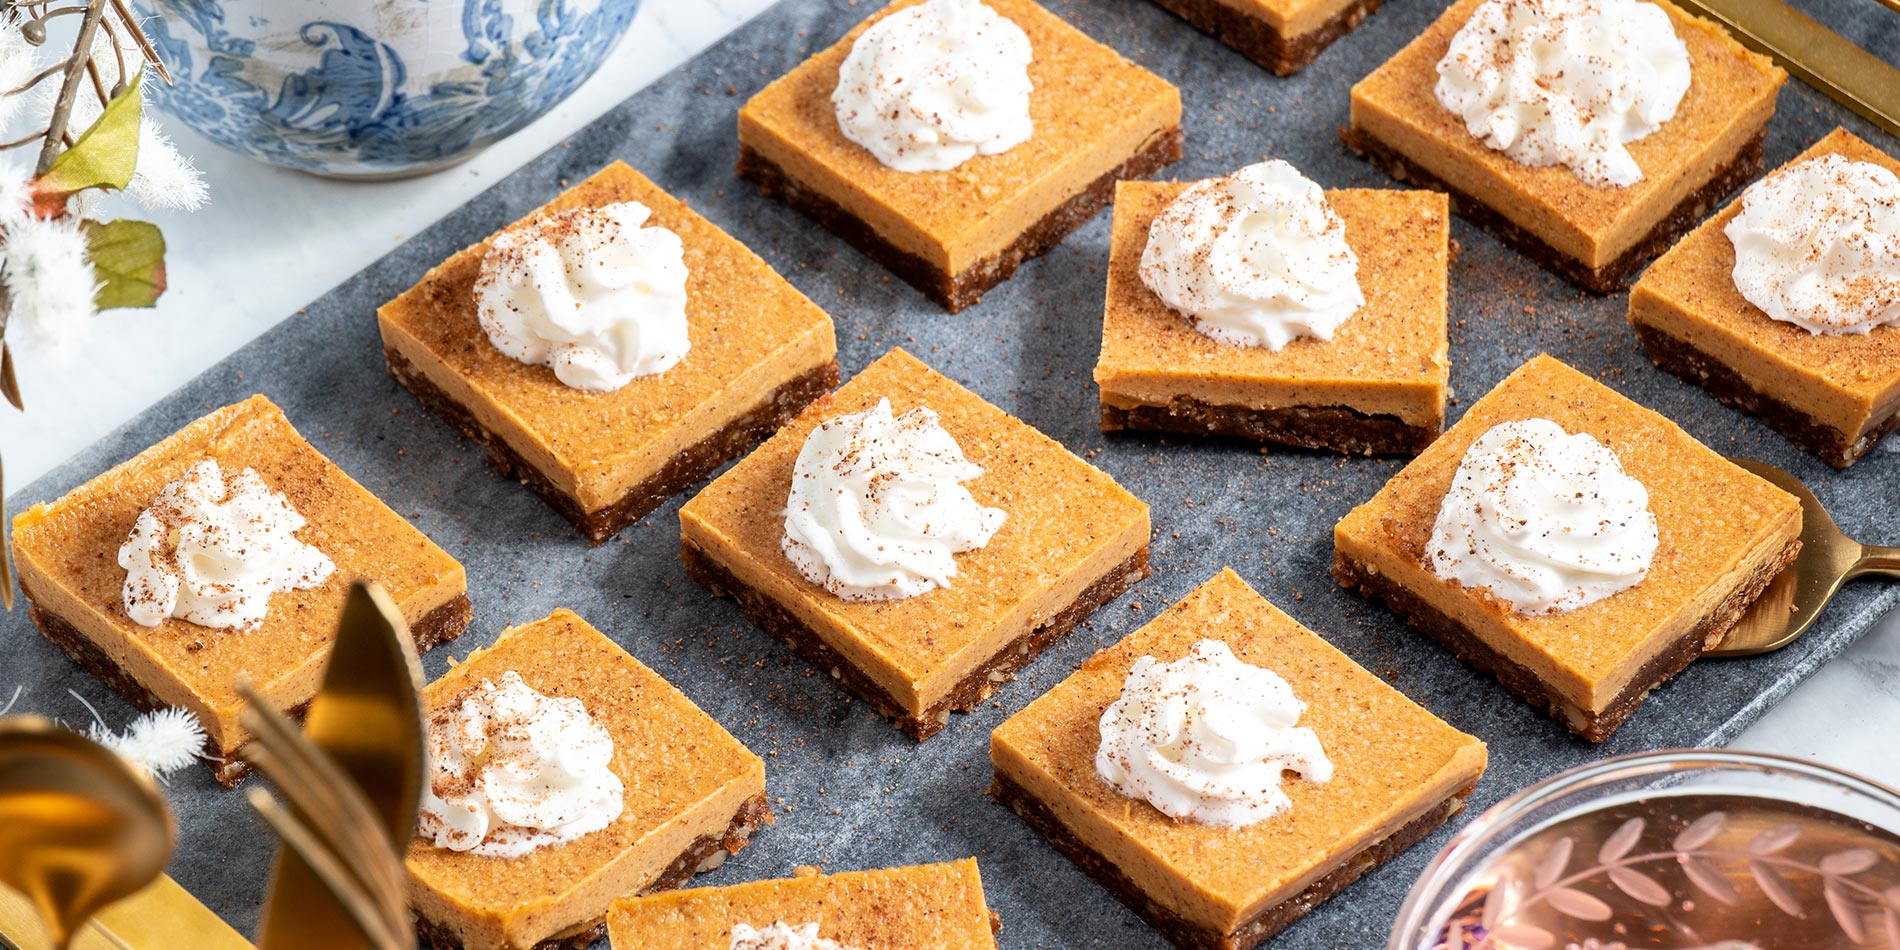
x=79, y=827
x=1794, y=599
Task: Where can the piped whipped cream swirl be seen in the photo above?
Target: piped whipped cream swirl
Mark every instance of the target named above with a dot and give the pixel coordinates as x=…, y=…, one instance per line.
x=1208, y=738
x=1566, y=82
x=213, y=551
x=781, y=936
x=878, y=510
x=589, y=293
x=512, y=770
x=1256, y=258
x=1546, y=520
x=928, y=88
x=1818, y=245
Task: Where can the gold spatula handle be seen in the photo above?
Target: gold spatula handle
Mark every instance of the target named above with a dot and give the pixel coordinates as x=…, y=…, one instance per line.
x=1815, y=54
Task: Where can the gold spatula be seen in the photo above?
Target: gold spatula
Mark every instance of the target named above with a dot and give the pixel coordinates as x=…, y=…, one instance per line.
x=1794, y=599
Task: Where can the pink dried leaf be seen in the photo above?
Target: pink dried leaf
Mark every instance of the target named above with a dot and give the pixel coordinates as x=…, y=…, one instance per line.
x=1892, y=896
x=1774, y=840
x=1890, y=922
x=1708, y=880
x=1523, y=935
x=1455, y=936
x=1575, y=903
x=1640, y=886
x=1845, y=913
x=1701, y=831
x=1851, y=861
x=1619, y=844
x=1553, y=864
x=1775, y=888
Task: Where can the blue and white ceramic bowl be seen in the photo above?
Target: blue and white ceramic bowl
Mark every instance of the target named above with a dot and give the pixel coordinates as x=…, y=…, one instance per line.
x=374, y=88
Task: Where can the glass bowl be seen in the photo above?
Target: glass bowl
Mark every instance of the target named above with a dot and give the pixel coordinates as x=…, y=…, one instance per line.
x=1680, y=849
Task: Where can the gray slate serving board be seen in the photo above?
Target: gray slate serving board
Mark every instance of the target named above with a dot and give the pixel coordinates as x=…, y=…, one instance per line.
x=850, y=791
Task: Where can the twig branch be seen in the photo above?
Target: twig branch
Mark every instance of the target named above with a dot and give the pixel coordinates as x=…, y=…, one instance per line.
x=69, y=86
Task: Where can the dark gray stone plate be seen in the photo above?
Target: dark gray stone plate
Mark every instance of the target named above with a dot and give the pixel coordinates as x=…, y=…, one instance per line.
x=849, y=790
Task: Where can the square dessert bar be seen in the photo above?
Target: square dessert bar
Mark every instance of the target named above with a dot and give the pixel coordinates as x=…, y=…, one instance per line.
x=760, y=351
x=1377, y=387
x=693, y=795
x=926, y=907
x=1284, y=36
x=1835, y=395
x=1597, y=238
x=1723, y=531
x=67, y=553
x=955, y=234
x=1399, y=772
x=1072, y=541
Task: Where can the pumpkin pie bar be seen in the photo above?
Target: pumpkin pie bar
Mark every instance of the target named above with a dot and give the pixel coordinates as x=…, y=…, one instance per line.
x=1835, y=394
x=1060, y=539
x=925, y=907
x=1713, y=535
x=1092, y=118
x=679, y=793
x=1230, y=872
x=1377, y=386
x=756, y=351
x=1284, y=36
x=1593, y=234
x=70, y=554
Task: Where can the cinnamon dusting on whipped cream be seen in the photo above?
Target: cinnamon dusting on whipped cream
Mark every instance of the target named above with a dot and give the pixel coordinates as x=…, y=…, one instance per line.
x=512, y=770
x=212, y=551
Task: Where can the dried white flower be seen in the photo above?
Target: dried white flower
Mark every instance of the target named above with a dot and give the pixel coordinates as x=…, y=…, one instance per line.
x=165, y=178
x=46, y=272
x=19, y=61
x=15, y=194
x=160, y=742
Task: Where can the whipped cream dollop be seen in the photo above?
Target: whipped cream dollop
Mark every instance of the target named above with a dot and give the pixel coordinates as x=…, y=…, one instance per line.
x=512, y=770
x=212, y=551
x=1256, y=258
x=590, y=293
x=1208, y=738
x=781, y=936
x=1817, y=245
x=928, y=88
x=1548, y=521
x=878, y=510
x=1566, y=82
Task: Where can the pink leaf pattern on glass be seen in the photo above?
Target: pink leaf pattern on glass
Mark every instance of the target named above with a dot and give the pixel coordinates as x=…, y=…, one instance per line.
x=1775, y=888
x=1851, y=861
x=1575, y=903
x=1618, y=845
x=1525, y=936
x=1551, y=883
x=1774, y=840
x=1707, y=879
x=1845, y=913
x=1701, y=831
x=1552, y=866
x=1640, y=886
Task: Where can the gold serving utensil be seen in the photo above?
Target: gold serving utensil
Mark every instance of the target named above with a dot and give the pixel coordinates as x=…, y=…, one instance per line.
x=163, y=916
x=80, y=828
x=354, y=779
x=1794, y=599
x=1814, y=54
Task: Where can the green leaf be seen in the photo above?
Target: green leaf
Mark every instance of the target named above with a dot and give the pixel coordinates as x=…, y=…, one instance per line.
x=128, y=259
x=106, y=154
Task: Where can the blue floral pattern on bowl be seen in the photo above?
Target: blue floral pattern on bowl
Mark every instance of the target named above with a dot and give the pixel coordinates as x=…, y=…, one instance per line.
x=374, y=88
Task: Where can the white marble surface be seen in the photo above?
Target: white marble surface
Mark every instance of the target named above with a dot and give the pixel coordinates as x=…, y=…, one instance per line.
x=274, y=240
